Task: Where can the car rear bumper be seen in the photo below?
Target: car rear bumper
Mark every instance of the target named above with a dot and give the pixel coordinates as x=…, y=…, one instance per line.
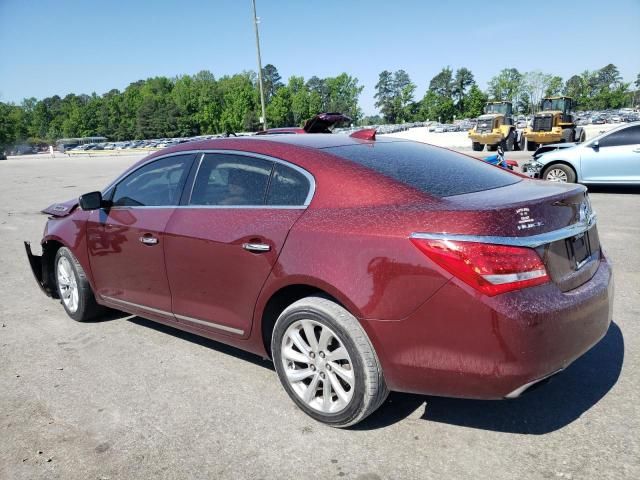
x=463, y=344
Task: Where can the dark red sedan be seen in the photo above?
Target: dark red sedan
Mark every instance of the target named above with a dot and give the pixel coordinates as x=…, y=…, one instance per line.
x=359, y=265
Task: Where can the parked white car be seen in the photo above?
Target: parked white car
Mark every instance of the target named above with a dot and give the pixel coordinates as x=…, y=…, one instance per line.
x=613, y=158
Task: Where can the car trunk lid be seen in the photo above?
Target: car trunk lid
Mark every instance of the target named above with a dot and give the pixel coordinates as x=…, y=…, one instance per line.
x=555, y=219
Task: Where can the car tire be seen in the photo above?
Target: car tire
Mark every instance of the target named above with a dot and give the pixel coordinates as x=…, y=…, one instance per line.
x=73, y=287
x=492, y=148
x=559, y=172
x=307, y=372
x=509, y=143
x=531, y=146
x=477, y=146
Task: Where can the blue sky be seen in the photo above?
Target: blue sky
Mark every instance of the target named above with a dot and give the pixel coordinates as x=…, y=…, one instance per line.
x=72, y=46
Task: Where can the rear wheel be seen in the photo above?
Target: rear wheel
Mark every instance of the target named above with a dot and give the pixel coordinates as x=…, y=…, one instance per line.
x=531, y=146
x=492, y=148
x=477, y=146
x=567, y=135
x=73, y=287
x=326, y=362
x=559, y=173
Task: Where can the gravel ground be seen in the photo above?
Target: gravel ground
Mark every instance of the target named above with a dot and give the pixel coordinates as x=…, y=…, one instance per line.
x=126, y=398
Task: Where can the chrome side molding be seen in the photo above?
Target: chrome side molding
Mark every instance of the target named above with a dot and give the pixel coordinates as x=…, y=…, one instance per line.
x=217, y=326
x=531, y=241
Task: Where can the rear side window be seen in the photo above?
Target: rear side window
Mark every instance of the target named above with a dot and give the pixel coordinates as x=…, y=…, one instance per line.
x=626, y=136
x=434, y=171
x=288, y=187
x=231, y=180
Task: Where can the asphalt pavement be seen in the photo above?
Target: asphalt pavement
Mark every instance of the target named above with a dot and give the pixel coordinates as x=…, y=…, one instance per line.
x=125, y=398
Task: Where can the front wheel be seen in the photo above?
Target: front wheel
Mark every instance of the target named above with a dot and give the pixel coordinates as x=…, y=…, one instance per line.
x=477, y=146
x=559, y=173
x=326, y=362
x=73, y=287
x=509, y=142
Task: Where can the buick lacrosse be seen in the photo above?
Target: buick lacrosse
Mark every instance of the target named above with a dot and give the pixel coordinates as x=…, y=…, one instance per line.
x=358, y=264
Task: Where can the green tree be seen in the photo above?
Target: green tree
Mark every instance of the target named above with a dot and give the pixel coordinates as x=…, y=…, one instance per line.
x=506, y=86
x=474, y=102
x=385, y=96
x=271, y=81
x=404, y=89
x=239, y=101
x=554, y=86
x=279, y=110
x=442, y=83
x=436, y=107
x=461, y=82
x=300, y=100
x=343, y=93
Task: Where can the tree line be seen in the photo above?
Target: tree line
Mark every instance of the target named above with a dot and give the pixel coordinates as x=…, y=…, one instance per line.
x=201, y=104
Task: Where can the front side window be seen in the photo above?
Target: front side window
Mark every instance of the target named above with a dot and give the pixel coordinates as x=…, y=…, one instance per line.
x=231, y=180
x=626, y=136
x=158, y=183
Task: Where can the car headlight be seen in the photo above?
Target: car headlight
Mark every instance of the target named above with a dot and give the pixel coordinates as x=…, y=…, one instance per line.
x=533, y=166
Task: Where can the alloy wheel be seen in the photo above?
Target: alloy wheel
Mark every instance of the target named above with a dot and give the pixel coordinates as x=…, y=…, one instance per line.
x=67, y=284
x=557, y=175
x=317, y=366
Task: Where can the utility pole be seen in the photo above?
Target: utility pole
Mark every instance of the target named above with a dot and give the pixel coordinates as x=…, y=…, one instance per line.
x=255, y=24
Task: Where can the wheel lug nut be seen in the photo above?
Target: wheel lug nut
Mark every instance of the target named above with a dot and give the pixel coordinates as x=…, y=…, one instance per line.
x=321, y=354
x=328, y=368
x=313, y=368
x=321, y=375
x=312, y=355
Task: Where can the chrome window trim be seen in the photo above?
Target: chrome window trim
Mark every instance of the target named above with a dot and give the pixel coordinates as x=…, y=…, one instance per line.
x=311, y=179
x=532, y=241
x=217, y=326
x=233, y=207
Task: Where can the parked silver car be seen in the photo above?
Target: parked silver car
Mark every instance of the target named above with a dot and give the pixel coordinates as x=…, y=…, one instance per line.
x=613, y=157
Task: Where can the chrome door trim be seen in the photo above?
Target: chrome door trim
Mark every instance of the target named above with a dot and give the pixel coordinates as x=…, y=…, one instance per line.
x=210, y=324
x=217, y=326
x=137, y=305
x=530, y=241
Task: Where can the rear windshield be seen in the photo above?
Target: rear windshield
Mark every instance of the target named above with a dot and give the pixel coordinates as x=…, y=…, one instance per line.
x=432, y=170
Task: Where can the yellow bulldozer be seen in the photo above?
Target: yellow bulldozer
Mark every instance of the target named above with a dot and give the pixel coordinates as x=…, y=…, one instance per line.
x=495, y=127
x=554, y=123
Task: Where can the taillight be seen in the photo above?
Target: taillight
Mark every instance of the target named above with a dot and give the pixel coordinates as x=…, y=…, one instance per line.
x=491, y=269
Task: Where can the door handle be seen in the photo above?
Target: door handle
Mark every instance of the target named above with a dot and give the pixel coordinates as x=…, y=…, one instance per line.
x=148, y=240
x=256, y=247
x=636, y=150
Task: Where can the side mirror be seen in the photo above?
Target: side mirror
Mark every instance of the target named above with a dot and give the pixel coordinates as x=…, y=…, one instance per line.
x=90, y=201
x=595, y=145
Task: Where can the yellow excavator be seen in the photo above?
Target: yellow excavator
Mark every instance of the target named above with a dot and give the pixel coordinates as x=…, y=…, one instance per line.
x=496, y=128
x=554, y=123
